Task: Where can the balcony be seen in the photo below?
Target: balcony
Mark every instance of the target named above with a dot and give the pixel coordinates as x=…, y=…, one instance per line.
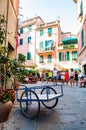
x=50, y=49
x=45, y=50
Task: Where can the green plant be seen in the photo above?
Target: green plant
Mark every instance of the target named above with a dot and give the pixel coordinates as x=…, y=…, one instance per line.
x=4, y=95
x=17, y=67
x=8, y=67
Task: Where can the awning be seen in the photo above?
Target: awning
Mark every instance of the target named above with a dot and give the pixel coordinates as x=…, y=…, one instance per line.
x=69, y=40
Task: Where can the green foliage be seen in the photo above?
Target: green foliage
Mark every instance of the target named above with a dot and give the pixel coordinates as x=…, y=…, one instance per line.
x=8, y=67
x=21, y=58
x=17, y=67
x=2, y=29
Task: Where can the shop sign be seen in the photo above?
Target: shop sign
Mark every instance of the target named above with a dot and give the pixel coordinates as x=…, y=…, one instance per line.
x=68, y=46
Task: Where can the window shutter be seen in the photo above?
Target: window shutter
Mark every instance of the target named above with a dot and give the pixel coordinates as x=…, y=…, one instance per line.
x=21, y=41
x=68, y=56
x=74, y=55
x=60, y=56
x=28, y=55
x=49, y=30
x=82, y=37
x=29, y=39
x=41, y=59
x=30, y=28
x=21, y=30
x=49, y=58
x=40, y=45
x=41, y=32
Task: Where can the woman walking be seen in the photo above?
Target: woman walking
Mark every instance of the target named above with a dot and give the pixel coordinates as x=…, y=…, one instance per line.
x=76, y=77
x=72, y=78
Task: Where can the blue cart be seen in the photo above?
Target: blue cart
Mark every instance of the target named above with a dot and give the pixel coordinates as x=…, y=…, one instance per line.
x=31, y=97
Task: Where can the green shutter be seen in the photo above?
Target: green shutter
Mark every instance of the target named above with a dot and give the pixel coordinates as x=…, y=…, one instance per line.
x=60, y=56
x=49, y=30
x=74, y=55
x=21, y=30
x=68, y=56
x=81, y=8
x=29, y=39
x=21, y=41
x=41, y=32
x=49, y=58
x=28, y=55
x=30, y=28
x=40, y=45
x=82, y=37
x=41, y=59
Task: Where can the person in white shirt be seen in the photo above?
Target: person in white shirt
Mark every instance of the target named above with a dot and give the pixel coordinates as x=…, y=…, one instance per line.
x=54, y=78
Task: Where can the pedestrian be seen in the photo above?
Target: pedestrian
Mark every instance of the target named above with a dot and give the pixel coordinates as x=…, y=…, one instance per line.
x=66, y=76
x=50, y=75
x=76, y=77
x=46, y=76
x=54, y=78
x=72, y=78
x=42, y=76
x=63, y=77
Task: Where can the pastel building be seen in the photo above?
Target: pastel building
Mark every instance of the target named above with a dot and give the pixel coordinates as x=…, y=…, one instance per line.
x=27, y=40
x=81, y=33
x=67, y=51
x=45, y=45
x=47, y=39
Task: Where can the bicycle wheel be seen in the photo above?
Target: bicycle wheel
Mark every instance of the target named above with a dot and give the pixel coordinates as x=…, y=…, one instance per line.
x=52, y=103
x=29, y=104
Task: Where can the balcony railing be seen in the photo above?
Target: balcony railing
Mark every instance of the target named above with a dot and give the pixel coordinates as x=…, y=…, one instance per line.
x=44, y=50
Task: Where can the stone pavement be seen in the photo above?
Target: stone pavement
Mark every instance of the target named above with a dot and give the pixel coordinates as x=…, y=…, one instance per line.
x=69, y=114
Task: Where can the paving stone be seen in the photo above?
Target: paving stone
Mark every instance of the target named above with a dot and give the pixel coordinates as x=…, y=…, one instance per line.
x=69, y=114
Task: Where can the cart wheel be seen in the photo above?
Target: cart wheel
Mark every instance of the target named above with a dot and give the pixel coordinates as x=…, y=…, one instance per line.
x=29, y=104
x=52, y=103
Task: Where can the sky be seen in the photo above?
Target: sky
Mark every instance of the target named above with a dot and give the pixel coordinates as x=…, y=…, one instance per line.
x=51, y=10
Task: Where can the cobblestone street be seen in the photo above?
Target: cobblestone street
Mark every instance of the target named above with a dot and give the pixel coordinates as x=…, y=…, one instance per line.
x=69, y=114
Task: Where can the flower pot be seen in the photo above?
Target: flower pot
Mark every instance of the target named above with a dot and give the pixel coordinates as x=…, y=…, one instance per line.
x=12, y=93
x=5, y=109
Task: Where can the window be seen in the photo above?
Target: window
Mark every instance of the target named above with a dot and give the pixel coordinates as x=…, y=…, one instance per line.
x=25, y=29
x=28, y=55
x=21, y=30
x=81, y=8
x=64, y=56
x=74, y=55
x=29, y=39
x=21, y=41
x=67, y=56
x=41, y=59
x=49, y=58
x=40, y=45
x=30, y=28
x=49, y=30
x=60, y=56
x=48, y=44
x=82, y=37
x=41, y=32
